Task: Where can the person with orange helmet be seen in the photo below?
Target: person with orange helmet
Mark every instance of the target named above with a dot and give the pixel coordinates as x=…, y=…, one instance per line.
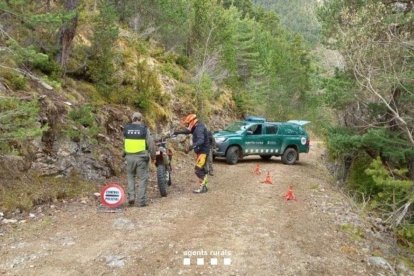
x=200, y=146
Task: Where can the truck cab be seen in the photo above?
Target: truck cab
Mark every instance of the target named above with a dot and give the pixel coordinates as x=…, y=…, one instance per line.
x=256, y=136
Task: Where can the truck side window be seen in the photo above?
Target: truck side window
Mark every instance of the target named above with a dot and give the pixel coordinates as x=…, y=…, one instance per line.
x=271, y=129
x=256, y=129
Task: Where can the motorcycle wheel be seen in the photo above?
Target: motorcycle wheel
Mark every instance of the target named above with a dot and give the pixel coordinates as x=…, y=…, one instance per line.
x=169, y=178
x=161, y=180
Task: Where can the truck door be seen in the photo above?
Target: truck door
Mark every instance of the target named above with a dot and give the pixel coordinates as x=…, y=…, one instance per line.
x=272, y=140
x=253, y=140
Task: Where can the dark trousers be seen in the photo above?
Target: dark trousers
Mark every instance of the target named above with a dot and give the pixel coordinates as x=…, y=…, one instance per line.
x=138, y=165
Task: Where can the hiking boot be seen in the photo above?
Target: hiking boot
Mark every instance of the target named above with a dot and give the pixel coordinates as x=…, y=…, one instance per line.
x=202, y=189
x=131, y=202
x=211, y=173
x=143, y=205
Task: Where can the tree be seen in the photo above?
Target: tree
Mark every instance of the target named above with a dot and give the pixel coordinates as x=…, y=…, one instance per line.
x=101, y=61
x=67, y=33
x=375, y=37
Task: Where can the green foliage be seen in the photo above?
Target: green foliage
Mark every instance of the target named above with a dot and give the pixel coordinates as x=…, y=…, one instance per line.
x=395, y=187
x=30, y=56
x=359, y=182
x=299, y=16
x=50, y=19
x=172, y=71
x=244, y=102
x=378, y=60
x=101, y=63
x=147, y=87
x=183, y=61
x=380, y=142
x=204, y=95
x=171, y=18
x=30, y=35
x=244, y=6
x=85, y=124
x=339, y=90
x=18, y=120
x=356, y=232
x=83, y=115
x=406, y=234
x=15, y=80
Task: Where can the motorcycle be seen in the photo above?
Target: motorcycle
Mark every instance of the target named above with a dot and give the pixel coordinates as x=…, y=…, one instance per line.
x=163, y=160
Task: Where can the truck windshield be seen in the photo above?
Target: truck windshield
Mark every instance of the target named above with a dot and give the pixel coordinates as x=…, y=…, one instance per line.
x=236, y=127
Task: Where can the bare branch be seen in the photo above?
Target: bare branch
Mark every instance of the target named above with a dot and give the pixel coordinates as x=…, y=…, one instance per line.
x=368, y=85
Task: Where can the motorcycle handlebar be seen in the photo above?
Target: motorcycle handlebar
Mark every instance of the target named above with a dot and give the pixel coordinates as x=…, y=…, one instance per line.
x=165, y=137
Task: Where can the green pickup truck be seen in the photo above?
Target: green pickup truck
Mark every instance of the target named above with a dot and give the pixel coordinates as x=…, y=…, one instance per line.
x=256, y=136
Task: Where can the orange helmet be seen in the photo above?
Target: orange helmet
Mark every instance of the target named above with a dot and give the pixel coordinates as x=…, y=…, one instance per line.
x=190, y=120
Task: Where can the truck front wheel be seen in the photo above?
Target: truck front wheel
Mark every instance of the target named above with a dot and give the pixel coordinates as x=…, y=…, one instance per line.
x=233, y=155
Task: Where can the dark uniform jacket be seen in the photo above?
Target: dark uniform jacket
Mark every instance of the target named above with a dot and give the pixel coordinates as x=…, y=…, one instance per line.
x=200, y=138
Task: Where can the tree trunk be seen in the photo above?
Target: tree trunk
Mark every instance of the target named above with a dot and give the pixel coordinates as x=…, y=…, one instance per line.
x=410, y=166
x=66, y=34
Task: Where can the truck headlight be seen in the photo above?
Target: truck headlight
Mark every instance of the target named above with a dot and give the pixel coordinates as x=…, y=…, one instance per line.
x=220, y=140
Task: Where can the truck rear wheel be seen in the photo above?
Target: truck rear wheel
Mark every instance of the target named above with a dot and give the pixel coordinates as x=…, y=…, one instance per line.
x=290, y=156
x=233, y=155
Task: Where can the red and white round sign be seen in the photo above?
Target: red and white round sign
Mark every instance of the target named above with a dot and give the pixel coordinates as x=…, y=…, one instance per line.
x=112, y=195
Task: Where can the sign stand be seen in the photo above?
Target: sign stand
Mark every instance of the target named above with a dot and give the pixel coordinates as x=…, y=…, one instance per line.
x=112, y=196
x=104, y=209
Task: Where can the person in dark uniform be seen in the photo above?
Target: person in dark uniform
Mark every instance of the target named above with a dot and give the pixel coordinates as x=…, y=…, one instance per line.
x=200, y=146
x=138, y=149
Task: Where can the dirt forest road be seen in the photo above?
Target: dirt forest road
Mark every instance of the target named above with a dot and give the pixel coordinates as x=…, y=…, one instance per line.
x=240, y=227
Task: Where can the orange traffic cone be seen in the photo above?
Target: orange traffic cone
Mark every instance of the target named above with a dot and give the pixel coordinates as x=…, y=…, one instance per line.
x=289, y=195
x=257, y=170
x=268, y=179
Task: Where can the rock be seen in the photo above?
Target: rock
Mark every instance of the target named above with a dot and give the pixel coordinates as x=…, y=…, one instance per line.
x=2, y=87
x=45, y=85
x=379, y=262
x=402, y=269
x=7, y=221
x=102, y=137
x=44, y=169
x=97, y=195
x=1, y=214
x=115, y=261
x=378, y=220
x=11, y=163
x=32, y=215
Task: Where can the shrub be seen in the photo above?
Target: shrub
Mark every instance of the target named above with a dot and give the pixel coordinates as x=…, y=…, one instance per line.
x=183, y=61
x=17, y=82
x=83, y=115
x=85, y=123
x=18, y=121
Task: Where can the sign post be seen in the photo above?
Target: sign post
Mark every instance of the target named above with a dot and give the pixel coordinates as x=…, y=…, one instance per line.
x=112, y=198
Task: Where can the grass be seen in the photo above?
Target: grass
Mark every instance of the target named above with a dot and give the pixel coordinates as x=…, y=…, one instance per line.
x=356, y=233
x=29, y=191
